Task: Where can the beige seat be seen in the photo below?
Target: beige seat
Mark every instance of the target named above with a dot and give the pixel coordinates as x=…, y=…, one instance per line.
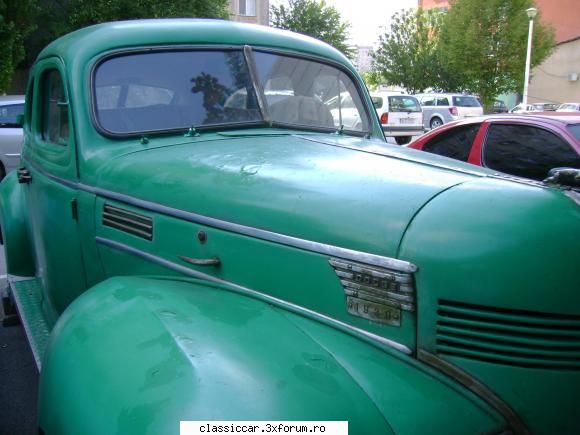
x=302, y=110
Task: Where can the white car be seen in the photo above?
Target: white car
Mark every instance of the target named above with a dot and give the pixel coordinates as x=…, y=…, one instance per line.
x=401, y=115
x=520, y=108
x=10, y=132
x=569, y=107
x=344, y=112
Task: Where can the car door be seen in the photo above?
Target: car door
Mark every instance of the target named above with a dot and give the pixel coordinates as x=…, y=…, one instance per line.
x=50, y=172
x=454, y=143
x=526, y=150
x=10, y=137
x=428, y=105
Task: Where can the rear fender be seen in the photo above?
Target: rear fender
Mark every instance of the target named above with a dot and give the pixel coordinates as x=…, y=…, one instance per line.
x=14, y=222
x=138, y=355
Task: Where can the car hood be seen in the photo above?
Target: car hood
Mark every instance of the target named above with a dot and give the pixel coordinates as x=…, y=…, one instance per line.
x=318, y=187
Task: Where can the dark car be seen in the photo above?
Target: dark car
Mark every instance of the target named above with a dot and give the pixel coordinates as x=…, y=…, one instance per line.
x=522, y=145
x=499, y=107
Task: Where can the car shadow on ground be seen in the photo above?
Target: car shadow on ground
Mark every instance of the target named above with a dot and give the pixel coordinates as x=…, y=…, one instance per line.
x=19, y=382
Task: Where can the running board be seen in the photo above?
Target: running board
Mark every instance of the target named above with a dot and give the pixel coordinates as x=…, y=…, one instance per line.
x=27, y=295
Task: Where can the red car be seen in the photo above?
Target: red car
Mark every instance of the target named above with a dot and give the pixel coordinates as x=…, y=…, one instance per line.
x=522, y=145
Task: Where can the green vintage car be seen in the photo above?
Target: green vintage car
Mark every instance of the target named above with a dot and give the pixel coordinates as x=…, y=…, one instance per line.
x=195, y=235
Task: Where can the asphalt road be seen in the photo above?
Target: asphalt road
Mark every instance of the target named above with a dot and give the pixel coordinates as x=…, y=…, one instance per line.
x=18, y=377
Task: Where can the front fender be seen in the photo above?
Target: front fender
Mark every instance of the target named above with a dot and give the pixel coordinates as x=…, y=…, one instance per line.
x=14, y=222
x=137, y=355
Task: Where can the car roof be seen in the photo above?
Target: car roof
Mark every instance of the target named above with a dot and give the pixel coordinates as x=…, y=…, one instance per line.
x=9, y=99
x=390, y=94
x=447, y=94
x=91, y=41
x=551, y=117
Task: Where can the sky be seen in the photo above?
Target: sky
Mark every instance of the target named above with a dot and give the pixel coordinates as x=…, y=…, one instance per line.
x=366, y=17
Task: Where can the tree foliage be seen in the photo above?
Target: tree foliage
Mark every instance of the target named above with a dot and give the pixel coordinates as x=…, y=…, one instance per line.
x=313, y=18
x=17, y=20
x=81, y=13
x=64, y=16
x=483, y=46
x=372, y=79
x=407, y=52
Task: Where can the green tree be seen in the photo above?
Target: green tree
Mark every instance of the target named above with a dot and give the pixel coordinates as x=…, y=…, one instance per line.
x=407, y=52
x=483, y=46
x=81, y=13
x=16, y=22
x=372, y=79
x=313, y=18
x=64, y=16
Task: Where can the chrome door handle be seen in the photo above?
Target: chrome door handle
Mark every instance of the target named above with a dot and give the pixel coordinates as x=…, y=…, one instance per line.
x=213, y=261
x=24, y=175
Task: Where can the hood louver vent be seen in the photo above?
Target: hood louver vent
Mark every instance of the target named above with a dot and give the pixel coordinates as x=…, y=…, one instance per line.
x=509, y=337
x=128, y=221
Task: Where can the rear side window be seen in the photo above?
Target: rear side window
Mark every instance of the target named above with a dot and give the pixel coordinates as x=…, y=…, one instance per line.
x=442, y=101
x=466, y=101
x=575, y=130
x=527, y=151
x=377, y=102
x=9, y=113
x=403, y=104
x=455, y=143
x=428, y=101
x=55, y=109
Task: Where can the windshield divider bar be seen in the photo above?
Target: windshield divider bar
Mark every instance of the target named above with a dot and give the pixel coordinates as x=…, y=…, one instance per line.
x=249, y=56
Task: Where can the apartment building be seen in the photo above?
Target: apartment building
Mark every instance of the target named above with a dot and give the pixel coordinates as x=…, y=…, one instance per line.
x=250, y=11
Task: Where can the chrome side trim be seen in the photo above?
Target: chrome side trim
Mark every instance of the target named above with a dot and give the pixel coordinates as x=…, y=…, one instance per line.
x=374, y=339
x=476, y=388
x=12, y=155
x=269, y=236
x=307, y=245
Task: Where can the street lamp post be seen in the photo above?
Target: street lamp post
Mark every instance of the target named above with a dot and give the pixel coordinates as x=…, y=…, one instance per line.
x=531, y=15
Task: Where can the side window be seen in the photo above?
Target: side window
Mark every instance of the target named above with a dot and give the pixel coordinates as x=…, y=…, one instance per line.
x=428, y=101
x=55, y=109
x=526, y=151
x=455, y=143
x=442, y=101
x=8, y=115
x=29, y=102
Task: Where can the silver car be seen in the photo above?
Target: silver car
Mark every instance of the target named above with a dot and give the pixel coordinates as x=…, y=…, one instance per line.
x=10, y=132
x=441, y=108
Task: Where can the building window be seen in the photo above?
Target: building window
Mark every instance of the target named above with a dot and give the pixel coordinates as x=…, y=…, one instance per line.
x=248, y=8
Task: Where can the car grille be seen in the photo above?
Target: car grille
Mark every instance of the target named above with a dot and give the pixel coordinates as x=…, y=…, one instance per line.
x=509, y=337
x=128, y=221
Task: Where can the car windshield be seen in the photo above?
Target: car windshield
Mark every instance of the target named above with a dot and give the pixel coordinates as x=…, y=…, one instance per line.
x=404, y=104
x=169, y=90
x=466, y=101
x=575, y=130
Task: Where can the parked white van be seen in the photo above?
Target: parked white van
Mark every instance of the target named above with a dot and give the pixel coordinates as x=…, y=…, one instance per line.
x=401, y=115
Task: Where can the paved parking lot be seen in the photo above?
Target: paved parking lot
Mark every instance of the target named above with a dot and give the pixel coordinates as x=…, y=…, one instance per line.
x=18, y=378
